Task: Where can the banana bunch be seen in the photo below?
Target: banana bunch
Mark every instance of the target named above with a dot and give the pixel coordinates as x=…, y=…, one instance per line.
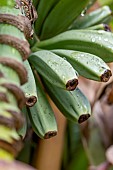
x=50, y=65
x=67, y=45
x=41, y=115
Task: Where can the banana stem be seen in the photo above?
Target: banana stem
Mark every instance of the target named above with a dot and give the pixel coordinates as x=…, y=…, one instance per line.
x=14, y=48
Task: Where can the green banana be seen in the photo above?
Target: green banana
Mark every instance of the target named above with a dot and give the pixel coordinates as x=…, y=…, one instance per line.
x=42, y=117
x=44, y=8
x=95, y=17
x=99, y=42
x=23, y=130
x=55, y=69
x=35, y=3
x=74, y=105
x=30, y=87
x=61, y=17
x=104, y=27
x=87, y=65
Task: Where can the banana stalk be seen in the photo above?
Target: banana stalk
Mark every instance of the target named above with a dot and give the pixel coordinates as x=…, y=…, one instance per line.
x=14, y=29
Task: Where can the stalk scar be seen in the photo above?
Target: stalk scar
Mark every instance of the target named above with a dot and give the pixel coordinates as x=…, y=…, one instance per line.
x=21, y=22
x=13, y=147
x=3, y=97
x=72, y=84
x=106, y=76
x=17, y=117
x=17, y=66
x=50, y=134
x=83, y=118
x=31, y=100
x=18, y=93
x=20, y=45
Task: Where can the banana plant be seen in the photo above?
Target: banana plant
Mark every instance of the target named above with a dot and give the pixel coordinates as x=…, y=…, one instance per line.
x=60, y=50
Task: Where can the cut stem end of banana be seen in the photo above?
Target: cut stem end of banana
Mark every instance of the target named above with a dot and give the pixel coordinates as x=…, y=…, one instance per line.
x=107, y=28
x=30, y=101
x=50, y=134
x=72, y=84
x=106, y=76
x=83, y=118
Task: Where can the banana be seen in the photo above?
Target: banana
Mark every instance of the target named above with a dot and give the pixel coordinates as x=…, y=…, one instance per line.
x=30, y=87
x=96, y=17
x=104, y=27
x=44, y=8
x=87, y=65
x=22, y=131
x=55, y=69
x=42, y=117
x=74, y=105
x=99, y=43
x=35, y=3
x=61, y=17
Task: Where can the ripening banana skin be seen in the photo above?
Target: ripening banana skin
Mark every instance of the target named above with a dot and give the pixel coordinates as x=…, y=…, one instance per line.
x=55, y=69
x=99, y=43
x=29, y=88
x=74, y=105
x=87, y=65
x=41, y=115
